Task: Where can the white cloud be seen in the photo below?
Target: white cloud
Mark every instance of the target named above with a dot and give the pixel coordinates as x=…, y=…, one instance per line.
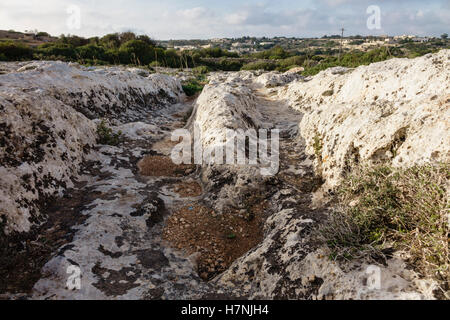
x=174, y=19
x=236, y=18
x=194, y=13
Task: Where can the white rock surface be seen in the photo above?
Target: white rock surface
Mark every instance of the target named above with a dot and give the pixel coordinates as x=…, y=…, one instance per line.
x=399, y=106
x=226, y=103
x=45, y=109
x=397, y=111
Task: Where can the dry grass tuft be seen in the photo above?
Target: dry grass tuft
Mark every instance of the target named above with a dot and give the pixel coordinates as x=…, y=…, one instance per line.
x=383, y=209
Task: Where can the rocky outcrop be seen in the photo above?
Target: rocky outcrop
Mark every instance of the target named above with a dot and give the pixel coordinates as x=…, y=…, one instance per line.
x=395, y=111
x=46, y=131
x=276, y=79
x=226, y=103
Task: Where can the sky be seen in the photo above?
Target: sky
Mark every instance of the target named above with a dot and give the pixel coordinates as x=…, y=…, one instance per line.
x=205, y=19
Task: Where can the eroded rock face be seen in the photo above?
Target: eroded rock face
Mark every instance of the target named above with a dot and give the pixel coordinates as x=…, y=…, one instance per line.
x=356, y=116
x=228, y=102
x=395, y=111
x=289, y=265
x=46, y=131
x=119, y=247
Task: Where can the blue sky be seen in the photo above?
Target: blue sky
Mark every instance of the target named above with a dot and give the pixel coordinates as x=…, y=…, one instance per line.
x=188, y=19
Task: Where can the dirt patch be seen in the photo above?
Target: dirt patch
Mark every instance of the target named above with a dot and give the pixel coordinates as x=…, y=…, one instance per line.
x=163, y=166
x=188, y=189
x=307, y=184
x=164, y=146
x=218, y=238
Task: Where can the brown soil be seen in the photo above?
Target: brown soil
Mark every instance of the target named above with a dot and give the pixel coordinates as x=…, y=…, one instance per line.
x=162, y=166
x=218, y=238
x=165, y=145
x=188, y=189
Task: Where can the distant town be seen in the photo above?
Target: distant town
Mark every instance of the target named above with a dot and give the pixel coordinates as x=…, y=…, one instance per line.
x=246, y=45
x=306, y=55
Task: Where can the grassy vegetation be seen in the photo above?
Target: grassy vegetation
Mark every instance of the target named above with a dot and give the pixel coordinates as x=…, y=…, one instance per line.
x=193, y=86
x=318, y=146
x=106, y=135
x=128, y=48
x=260, y=65
x=11, y=51
x=118, y=48
x=353, y=59
x=383, y=209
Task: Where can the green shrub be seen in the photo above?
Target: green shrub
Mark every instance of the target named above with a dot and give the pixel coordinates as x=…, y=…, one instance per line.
x=223, y=64
x=171, y=59
x=11, y=51
x=42, y=34
x=73, y=41
x=353, y=59
x=201, y=70
x=91, y=51
x=136, y=52
x=66, y=51
x=383, y=208
x=192, y=86
x=106, y=135
x=259, y=65
x=155, y=64
x=288, y=63
x=215, y=53
x=229, y=65
x=273, y=54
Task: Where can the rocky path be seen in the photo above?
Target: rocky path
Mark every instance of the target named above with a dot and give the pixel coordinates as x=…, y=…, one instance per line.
x=268, y=271
x=129, y=196
x=136, y=226
x=118, y=248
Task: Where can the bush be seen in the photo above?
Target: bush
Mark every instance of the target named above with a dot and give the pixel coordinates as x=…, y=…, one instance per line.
x=73, y=41
x=288, y=63
x=172, y=59
x=106, y=135
x=91, y=51
x=229, y=65
x=42, y=34
x=66, y=51
x=383, y=209
x=110, y=41
x=136, y=52
x=215, y=53
x=192, y=86
x=273, y=54
x=259, y=65
x=201, y=70
x=11, y=51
